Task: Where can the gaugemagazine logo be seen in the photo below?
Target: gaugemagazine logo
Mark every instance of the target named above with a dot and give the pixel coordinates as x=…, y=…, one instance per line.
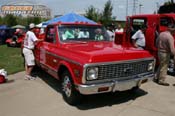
x=17, y=8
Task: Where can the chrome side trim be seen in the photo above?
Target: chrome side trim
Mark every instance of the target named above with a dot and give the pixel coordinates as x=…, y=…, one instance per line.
x=63, y=58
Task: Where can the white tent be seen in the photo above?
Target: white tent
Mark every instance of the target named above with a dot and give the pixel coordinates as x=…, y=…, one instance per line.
x=39, y=25
x=18, y=26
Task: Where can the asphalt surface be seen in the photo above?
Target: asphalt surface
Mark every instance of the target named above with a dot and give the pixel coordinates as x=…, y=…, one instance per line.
x=42, y=97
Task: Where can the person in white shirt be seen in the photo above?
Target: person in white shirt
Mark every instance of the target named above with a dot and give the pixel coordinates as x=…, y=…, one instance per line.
x=98, y=34
x=29, y=44
x=110, y=33
x=119, y=28
x=138, y=39
x=83, y=34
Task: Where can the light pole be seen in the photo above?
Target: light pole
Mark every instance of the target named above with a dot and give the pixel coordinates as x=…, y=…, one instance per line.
x=140, y=8
x=157, y=7
x=126, y=7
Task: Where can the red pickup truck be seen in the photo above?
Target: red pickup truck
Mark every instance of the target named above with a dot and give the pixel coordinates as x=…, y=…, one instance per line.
x=86, y=61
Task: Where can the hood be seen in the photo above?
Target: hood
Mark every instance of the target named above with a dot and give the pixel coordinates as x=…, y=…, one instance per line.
x=93, y=52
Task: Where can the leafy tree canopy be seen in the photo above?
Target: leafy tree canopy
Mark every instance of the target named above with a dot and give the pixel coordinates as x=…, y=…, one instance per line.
x=168, y=7
x=104, y=17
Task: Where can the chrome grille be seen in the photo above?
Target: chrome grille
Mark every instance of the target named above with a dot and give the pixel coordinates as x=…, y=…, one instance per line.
x=120, y=70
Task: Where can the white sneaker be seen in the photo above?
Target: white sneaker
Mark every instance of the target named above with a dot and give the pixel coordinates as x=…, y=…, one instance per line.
x=27, y=77
x=32, y=78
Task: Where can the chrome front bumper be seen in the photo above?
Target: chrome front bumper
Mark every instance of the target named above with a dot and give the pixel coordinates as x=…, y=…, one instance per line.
x=113, y=85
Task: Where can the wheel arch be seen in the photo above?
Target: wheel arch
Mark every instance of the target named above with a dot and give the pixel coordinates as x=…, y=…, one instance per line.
x=64, y=66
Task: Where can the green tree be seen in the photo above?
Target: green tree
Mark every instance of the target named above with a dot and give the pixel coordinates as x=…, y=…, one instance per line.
x=10, y=20
x=168, y=7
x=35, y=20
x=107, y=13
x=170, y=2
x=93, y=14
x=104, y=17
x=21, y=20
x=1, y=21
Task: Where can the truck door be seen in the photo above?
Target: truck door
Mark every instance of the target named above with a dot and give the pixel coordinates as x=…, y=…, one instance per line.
x=37, y=51
x=48, y=57
x=150, y=33
x=136, y=24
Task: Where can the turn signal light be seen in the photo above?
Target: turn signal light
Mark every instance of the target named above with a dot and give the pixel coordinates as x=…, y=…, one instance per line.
x=103, y=89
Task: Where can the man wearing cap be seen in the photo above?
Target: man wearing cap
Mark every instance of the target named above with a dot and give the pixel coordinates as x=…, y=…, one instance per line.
x=29, y=44
x=165, y=44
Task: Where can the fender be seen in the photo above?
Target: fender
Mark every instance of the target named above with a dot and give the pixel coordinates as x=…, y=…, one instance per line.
x=67, y=65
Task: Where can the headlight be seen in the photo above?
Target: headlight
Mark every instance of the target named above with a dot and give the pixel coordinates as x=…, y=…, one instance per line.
x=92, y=73
x=151, y=66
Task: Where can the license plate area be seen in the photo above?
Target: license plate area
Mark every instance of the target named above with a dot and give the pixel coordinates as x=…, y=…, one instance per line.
x=126, y=85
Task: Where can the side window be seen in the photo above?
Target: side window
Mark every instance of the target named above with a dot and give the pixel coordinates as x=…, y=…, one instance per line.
x=165, y=21
x=138, y=23
x=51, y=35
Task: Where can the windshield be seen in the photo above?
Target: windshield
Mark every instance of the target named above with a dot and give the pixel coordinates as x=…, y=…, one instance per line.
x=82, y=33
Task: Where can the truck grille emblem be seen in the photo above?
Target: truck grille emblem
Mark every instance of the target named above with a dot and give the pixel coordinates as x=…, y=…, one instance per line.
x=127, y=70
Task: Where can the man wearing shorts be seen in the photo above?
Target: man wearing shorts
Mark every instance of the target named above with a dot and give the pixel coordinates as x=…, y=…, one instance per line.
x=29, y=44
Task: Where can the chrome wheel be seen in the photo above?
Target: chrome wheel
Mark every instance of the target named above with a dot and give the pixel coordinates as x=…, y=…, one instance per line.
x=67, y=86
x=70, y=94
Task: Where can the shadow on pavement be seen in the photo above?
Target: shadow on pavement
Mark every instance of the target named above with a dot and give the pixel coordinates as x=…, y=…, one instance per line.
x=7, y=81
x=51, y=81
x=109, y=99
x=98, y=100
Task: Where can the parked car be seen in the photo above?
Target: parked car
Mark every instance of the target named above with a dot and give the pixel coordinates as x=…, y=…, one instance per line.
x=17, y=39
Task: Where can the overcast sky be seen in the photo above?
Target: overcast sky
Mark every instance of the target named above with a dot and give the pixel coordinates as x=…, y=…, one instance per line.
x=119, y=6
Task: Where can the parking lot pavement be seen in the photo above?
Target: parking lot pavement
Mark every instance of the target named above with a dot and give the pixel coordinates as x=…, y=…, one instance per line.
x=42, y=97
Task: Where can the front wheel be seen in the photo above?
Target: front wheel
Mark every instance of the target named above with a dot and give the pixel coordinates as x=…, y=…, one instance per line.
x=70, y=94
